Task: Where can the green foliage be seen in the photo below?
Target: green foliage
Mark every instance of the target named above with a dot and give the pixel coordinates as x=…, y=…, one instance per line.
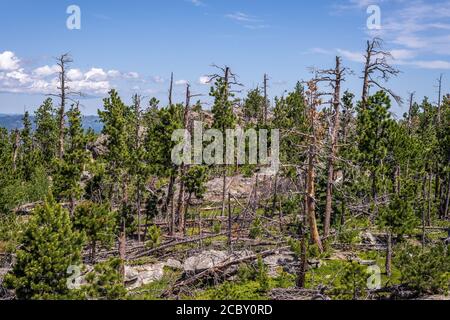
x=256, y=229
x=374, y=127
x=154, y=236
x=17, y=192
x=151, y=207
x=194, y=181
x=10, y=231
x=217, y=227
x=353, y=282
x=48, y=247
x=349, y=236
x=257, y=273
x=46, y=134
x=427, y=271
x=70, y=169
x=97, y=222
x=231, y=291
x=222, y=108
x=105, y=282
x=291, y=114
x=399, y=217
x=159, y=144
x=254, y=105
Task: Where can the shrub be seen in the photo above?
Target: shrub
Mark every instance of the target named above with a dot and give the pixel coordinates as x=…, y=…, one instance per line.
x=427, y=271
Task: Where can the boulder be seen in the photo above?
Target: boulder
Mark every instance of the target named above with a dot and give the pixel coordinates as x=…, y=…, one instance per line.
x=138, y=276
x=210, y=259
x=174, y=264
x=278, y=260
x=368, y=238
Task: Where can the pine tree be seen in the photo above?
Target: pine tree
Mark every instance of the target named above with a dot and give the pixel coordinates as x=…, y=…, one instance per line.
x=48, y=247
x=27, y=154
x=115, y=118
x=159, y=147
x=374, y=129
x=98, y=224
x=222, y=111
x=254, y=106
x=46, y=132
x=71, y=166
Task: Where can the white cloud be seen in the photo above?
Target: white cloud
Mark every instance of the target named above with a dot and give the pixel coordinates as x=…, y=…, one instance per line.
x=247, y=21
x=114, y=74
x=46, y=71
x=9, y=61
x=203, y=80
x=241, y=17
x=96, y=74
x=435, y=64
x=20, y=76
x=131, y=75
x=351, y=55
x=181, y=82
x=75, y=74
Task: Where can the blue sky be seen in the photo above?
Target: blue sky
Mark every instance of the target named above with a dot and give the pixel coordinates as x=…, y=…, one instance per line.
x=134, y=45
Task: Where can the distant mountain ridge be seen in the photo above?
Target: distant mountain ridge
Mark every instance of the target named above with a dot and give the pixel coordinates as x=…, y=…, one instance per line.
x=14, y=121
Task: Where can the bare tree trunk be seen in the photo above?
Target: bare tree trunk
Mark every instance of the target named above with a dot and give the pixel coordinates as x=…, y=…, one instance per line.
x=334, y=147
x=186, y=210
x=411, y=104
x=439, y=99
x=424, y=187
x=180, y=212
x=275, y=195
x=137, y=106
x=266, y=102
x=430, y=180
x=169, y=198
x=122, y=248
x=15, y=145
x=389, y=255
x=224, y=190
x=301, y=276
x=311, y=202
x=447, y=200
x=171, y=89
x=63, y=61
x=230, y=247
x=365, y=92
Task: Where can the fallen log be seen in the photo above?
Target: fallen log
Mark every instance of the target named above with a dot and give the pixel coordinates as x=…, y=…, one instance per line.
x=173, y=244
x=220, y=269
x=295, y=294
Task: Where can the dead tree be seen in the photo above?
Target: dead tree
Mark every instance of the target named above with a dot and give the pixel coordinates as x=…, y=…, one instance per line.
x=181, y=212
x=301, y=275
x=313, y=102
x=64, y=94
x=229, y=79
x=171, y=89
x=15, y=148
x=266, y=101
x=335, y=77
x=170, y=189
x=137, y=145
x=410, y=110
x=439, y=98
x=377, y=68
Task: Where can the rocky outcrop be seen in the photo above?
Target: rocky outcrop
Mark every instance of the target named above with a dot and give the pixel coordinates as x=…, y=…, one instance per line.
x=139, y=276
x=210, y=259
